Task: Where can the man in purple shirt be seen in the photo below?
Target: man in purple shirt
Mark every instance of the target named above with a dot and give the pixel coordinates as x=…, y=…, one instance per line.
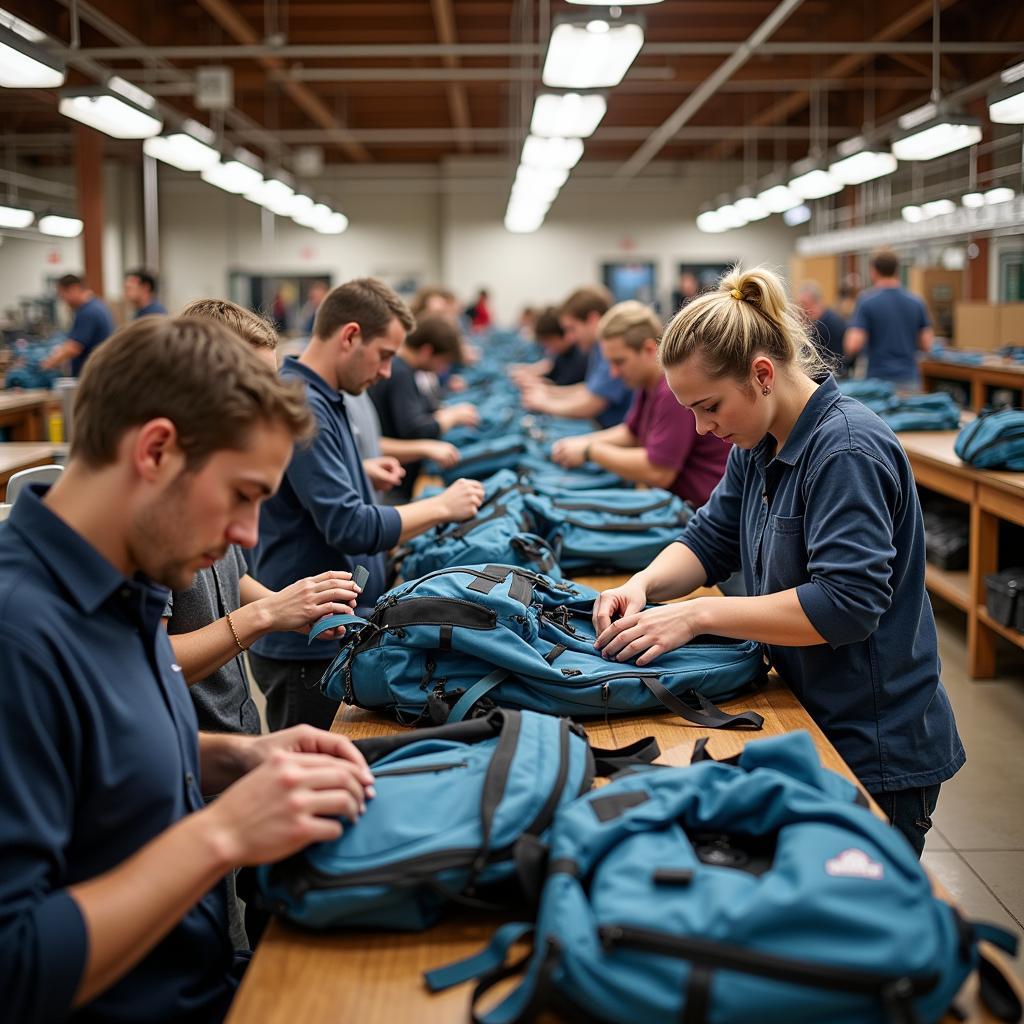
x=658, y=444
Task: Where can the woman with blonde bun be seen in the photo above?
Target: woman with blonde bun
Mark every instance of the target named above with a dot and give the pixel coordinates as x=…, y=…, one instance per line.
x=819, y=509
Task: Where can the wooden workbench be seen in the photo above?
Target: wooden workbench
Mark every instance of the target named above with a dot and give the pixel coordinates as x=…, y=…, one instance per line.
x=23, y=413
x=377, y=977
x=991, y=497
x=979, y=381
x=18, y=455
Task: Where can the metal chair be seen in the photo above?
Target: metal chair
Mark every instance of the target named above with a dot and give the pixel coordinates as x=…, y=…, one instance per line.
x=35, y=475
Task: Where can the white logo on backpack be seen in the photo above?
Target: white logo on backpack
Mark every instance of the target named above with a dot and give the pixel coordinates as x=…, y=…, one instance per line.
x=854, y=864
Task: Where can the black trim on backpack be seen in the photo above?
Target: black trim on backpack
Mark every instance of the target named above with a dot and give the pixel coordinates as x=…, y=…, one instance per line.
x=470, y=525
x=608, y=808
x=521, y=589
x=556, y=652
x=444, y=638
x=494, y=788
x=592, y=506
x=698, y=995
x=612, y=760
x=704, y=713
x=436, y=611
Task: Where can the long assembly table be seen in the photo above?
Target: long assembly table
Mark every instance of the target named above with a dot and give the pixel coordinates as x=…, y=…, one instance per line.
x=377, y=977
x=979, y=382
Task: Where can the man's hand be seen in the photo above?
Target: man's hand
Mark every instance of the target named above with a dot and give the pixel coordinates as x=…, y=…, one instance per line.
x=444, y=454
x=613, y=604
x=384, y=472
x=462, y=500
x=570, y=452
x=300, y=605
x=646, y=635
x=534, y=395
x=465, y=414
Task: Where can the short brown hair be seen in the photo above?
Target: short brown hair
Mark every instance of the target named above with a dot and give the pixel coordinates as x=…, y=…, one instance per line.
x=547, y=325
x=365, y=301
x=631, y=321
x=70, y=280
x=197, y=373
x=251, y=327
x=886, y=263
x=584, y=301
x=423, y=296
x=440, y=334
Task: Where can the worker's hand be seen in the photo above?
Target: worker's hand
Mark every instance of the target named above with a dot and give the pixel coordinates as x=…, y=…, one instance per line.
x=613, y=604
x=290, y=799
x=456, y=383
x=570, y=452
x=465, y=414
x=384, y=472
x=462, y=500
x=444, y=454
x=298, y=606
x=646, y=635
x=534, y=395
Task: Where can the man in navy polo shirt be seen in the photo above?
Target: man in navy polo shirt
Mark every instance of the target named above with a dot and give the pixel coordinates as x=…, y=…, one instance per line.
x=92, y=325
x=601, y=396
x=112, y=867
x=324, y=517
x=140, y=292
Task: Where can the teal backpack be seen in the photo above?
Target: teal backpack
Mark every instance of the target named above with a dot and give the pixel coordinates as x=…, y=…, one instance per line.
x=753, y=890
x=995, y=440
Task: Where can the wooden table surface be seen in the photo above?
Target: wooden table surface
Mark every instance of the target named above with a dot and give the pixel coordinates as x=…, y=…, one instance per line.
x=18, y=455
x=377, y=977
x=22, y=413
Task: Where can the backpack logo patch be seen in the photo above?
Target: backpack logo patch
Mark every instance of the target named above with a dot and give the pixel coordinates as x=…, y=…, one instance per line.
x=854, y=864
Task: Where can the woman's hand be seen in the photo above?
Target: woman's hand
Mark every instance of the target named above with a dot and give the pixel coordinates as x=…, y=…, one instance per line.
x=613, y=604
x=646, y=635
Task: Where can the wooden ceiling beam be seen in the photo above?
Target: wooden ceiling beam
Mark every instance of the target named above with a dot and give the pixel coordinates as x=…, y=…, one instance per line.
x=458, y=101
x=300, y=94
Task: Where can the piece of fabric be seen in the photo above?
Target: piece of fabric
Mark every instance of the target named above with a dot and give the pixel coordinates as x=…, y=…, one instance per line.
x=222, y=700
x=154, y=308
x=910, y=812
x=98, y=756
x=91, y=326
x=568, y=367
x=892, y=318
x=293, y=696
x=668, y=433
x=600, y=382
x=836, y=516
x=405, y=411
x=322, y=517
x=828, y=331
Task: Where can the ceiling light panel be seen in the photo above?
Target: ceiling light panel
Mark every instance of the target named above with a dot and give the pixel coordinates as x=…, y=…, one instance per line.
x=567, y=115
x=585, y=56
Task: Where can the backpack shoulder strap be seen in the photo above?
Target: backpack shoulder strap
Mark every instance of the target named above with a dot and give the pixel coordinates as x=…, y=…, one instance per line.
x=476, y=692
x=698, y=710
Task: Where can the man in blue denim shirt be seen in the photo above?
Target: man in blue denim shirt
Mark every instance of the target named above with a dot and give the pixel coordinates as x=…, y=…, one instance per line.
x=112, y=900
x=324, y=516
x=819, y=508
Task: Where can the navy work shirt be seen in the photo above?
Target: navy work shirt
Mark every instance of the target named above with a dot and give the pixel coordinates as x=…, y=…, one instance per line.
x=893, y=319
x=835, y=514
x=600, y=382
x=153, y=308
x=98, y=755
x=323, y=517
x=92, y=324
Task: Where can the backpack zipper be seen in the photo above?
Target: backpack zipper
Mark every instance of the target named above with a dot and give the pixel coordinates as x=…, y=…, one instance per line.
x=575, y=506
x=418, y=769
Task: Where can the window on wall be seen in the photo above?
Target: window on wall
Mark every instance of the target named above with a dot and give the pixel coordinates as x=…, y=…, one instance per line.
x=631, y=280
x=1011, y=276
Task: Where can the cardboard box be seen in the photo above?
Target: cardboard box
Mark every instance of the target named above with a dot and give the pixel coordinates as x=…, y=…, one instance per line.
x=976, y=325
x=1011, y=323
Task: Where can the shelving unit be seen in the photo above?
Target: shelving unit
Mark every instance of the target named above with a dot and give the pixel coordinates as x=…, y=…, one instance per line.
x=978, y=379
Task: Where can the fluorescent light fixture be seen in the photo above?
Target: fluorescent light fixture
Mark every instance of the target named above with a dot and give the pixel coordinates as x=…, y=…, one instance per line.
x=26, y=65
x=541, y=182
x=114, y=115
x=751, y=208
x=998, y=195
x=945, y=133
x=973, y=200
x=13, y=217
x=912, y=214
x=710, y=223
x=296, y=205
x=568, y=115
x=730, y=216
x=182, y=151
x=332, y=225
x=779, y=198
x=232, y=176
x=815, y=184
x=22, y=28
x=1012, y=74
x=1006, y=104
x=938, y=208
x=797, y=215
x=858, y=163
x=274, y=194
x=316, y=214
x=65, y=227
x=138, y=96
x=559, y=153
x=582, y=57
x=521, y=220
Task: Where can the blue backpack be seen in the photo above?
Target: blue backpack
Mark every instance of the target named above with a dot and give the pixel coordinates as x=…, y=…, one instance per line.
x=482, y=459
x=460, y=641
x=995, y=440
x=451, y=805
x=757, y=890
x=874, y=393
x=937, y=411
x=608, y=530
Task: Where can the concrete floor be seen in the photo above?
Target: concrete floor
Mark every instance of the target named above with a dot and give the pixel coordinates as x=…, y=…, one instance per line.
x=976, y=847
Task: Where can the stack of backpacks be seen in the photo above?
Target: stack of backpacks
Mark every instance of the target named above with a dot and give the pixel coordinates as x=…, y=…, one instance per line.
x=936, y=411
x=758, y=888
x=995, y=440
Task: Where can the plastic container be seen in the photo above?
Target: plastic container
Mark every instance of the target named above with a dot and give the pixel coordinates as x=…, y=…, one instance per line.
x=1003, y=597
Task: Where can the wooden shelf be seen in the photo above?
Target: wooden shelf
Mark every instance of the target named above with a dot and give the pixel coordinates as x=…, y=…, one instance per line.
x=954, y=587
x=1015, y=636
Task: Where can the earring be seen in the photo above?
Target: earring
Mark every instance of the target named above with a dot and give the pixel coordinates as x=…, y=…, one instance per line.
x=766, y=391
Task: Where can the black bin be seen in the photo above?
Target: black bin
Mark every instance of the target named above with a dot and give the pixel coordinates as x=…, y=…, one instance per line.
x=1003, y=597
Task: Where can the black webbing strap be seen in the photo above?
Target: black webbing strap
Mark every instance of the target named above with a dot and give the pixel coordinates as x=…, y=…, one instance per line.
x=701, y=711
x=556, y=652
x=521, y=589
x=494, y=785
x=483, y=584
x=444, y=641
x=697, y=1000
x=470, y=525
x=608, y=761
x=998, y=995
x=472, y=731
x=701, y=753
